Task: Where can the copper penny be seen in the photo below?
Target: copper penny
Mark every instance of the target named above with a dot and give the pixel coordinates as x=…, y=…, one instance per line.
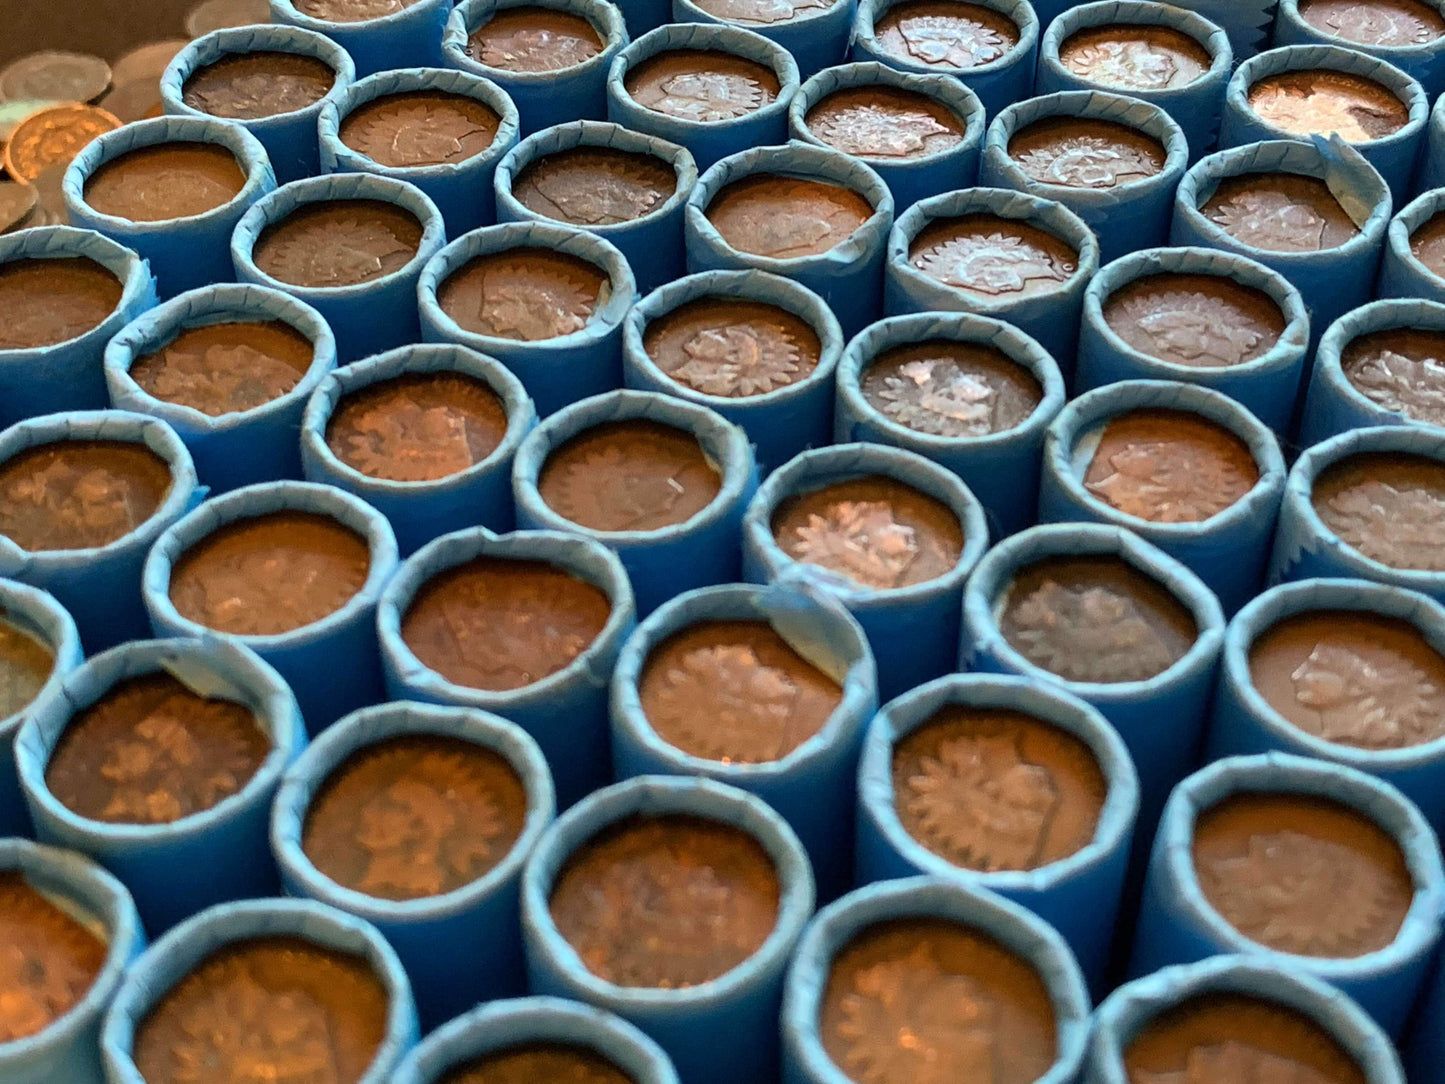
x=785, y=218
x=701, y=85
x=405, y=131
x=951, y=389
x=332, y=244
x=351, y=11
x=595, y=186
x=17, y=201
x=532, y=1063
x=1135, y=58
x=166, y=181
x=48, y=302
x=1198, y=321
x=1401, y=370
x=1280, y=212
x=530, y=38
x=1322, y=102
x=732, y=348
x=26, y=664
x=884, y=122
x=1392, y=23
x=763, y=12
x=1389, y=507
x=1078, y=152
x=250, y=86
x=526, y=294
x=946, y=34
x=1427, y=244
x=993, y=257
x=226, y=368
x=48, y=959
x=54, y=137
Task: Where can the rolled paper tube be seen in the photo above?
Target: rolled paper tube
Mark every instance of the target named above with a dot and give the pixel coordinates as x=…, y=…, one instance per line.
x=555, y=371
x=686, y=1021
x=1178, y=924
x=1248, y=23
x=460, y=947
x=813, y=786
x=1125, y=216
x=175, y=868
x=899, y=156
x=532, y=1021
x=1077, y=895
x=408, y=37
x=477, y=495
x=1332, y=281
x=290, y=139
x=564, y=712
x=36, y=615
x=912, y=629
x=1402, y=273
x=1243, y=722
x=1432, y=166
x=1195, y=105
x=928, y=899
x=1133, y=1007
x=661, y=563
x=69, y=1049
x=1426, y=1053
x=1335, y=405
x=1267, y=385
x=67, y=375
x=240, y=447
x=330, y=664
x=780, y=420
x=184, y=253
x=1039, y=296
x=1394, y=156
x=1423, y=60
x=651, y=243
x=462, y=190
x=101, y=587
x=1228, y=549
x=368, y=317
x=997, y=83
x=543, y=98
x=711, y=124
x=179, y=952
x=1180, y=693
x=1001, y=468
x=1305, y=548
x=848, y=276
x=817, y=34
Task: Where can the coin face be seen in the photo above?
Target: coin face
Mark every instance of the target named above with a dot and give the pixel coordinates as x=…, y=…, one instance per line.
x=16, y=203
x=64, y=77
x=212, y=15
x=53, y=136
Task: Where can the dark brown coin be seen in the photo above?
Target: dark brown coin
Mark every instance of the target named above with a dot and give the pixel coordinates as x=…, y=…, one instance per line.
x=701, y=85
x=420, y=129
x=1280, y=212
x=528, y=38
x=595, y=186
x=884, y=122
x=165, y=181
x=249, y=86
x=733, y=348
x=1200, y=321
x=151, y=751
x=1323, y=102
x=1135, y=57
x=1402, y=370
x=551, y=1063
x=666, y=901
x=951, y=389
x=226, y=368
x=946, y=34
x=48, y=302
x=1427, y=244
x=1388, y=507
x=993, y=257
x=785, y=218
x=338, y=243
x=55, y=76
x=1077, y=152
x=25, y=666
x=527, y=294
x=414, y=816
x=48, y=960
x=764, y=12
x=351, y=11
x=1392, y=23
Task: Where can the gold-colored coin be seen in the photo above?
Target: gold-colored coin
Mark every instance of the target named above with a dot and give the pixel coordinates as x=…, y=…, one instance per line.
x=53, y=136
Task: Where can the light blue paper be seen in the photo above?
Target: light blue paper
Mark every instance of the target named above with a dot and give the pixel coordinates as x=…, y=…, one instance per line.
x=1426, y=1052
x=818, y=38
x=1402, y=273
x=409, y=37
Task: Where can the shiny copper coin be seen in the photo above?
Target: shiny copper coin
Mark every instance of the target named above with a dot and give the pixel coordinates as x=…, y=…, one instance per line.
x=53, y=136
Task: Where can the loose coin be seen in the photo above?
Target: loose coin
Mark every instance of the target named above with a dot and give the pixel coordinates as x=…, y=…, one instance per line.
x=147, y=61
x=17, y=201
x=53, y=137
x=212, y=15
x=51, y=209
x=65, y=77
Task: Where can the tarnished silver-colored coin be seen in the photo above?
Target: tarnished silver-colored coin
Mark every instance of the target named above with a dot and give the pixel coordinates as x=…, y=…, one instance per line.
x=212, y=15
x=58, y=76
x=17, y=203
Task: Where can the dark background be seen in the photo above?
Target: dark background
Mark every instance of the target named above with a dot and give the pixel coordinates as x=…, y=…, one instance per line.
x=106, y=28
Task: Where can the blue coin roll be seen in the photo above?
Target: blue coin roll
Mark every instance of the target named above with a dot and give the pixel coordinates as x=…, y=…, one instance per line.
x=69, y=1049
x=1305, y=548
x=1001, y=468
x=1125, y=216
x=1243, y=722
x=1402, y=273
x=780, y=418
x=1333, y=280
x=814, y=784
x=462, y=190
x=1002, y=278
x=330, y=664
x=371, y=316
x=661, y=563
x=895, y=151
x=1195, y=105
x=1422, y=59
x=1425, y=1054
x=407, y=37
x=290, y=139
x=565, y=712
x=651, y=242
x=1267, y=385
x=178, y=867
x=817, y=34
x=1229, y=548
x=461, y=947
x=480, y=494
x=183, y=253
x=741, y=1006
x=711, y=121
x=552, y=1021
x=1432, y=164
x=101, y=587
x=1180, y=694
x=556, y=371
x=236, y=448
x=848, y=276
x=1006, y=924
x=1249, y=23
x=67, y=375
x=997, y=82
x=913, y=629
x=166, y=963
x=543, y=98
x=1178, y=924
x=36, y=615
x=1135, y=1006
x=1077, y=895
x=1394, y=156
